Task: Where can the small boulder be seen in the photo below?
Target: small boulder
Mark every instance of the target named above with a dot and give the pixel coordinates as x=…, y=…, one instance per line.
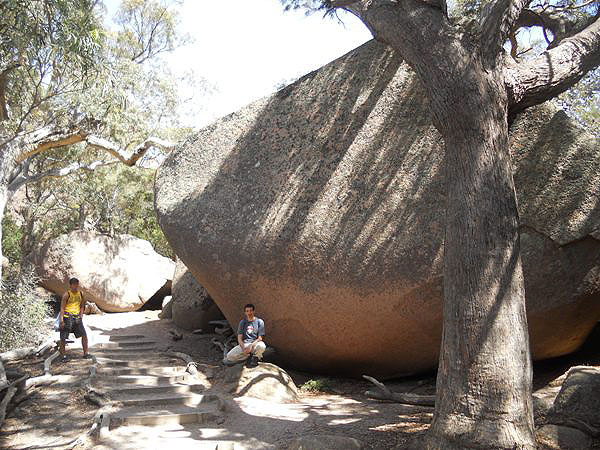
x=265, y=382
x=192, y=306
x=558, y=437
x=92, y=308
x=325, y=442
x=167, y=308
x=578, y=402
x=117, y=273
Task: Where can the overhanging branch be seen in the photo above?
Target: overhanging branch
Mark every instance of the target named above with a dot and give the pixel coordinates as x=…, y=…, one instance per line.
x=47, y=139
x=554, y=71
x=59, y=172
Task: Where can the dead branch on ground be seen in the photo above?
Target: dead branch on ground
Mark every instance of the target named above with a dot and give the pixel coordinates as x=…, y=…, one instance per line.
x=383, y=393
x=19, y=353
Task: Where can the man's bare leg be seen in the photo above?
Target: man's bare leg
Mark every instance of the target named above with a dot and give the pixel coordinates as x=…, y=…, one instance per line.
x=61, y=347
x=84, y=344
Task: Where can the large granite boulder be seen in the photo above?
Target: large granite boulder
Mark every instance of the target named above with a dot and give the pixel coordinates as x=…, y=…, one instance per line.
x=324, y=205
x=117, y=273
x=192, y=307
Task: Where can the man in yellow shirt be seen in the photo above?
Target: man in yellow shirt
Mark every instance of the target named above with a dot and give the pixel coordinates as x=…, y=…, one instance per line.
x=72, y=306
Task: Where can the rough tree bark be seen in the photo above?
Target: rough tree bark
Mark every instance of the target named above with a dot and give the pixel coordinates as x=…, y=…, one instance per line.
x=483, y=395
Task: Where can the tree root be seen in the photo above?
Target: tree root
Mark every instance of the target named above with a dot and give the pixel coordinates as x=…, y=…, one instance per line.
x=21, y=398
x=409, y=399
x=48, y=362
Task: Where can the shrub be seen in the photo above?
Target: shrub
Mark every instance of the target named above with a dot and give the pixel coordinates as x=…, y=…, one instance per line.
x=22, y=311
x=318, y=385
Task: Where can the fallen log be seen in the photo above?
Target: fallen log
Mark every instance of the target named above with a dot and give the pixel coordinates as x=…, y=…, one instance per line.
x=42, y=348
x=19, y=353
x=383, y=393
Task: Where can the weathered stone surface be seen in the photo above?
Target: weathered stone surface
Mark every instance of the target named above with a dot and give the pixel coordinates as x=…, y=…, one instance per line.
x=192, y=306
x=324, y=205
x=266, y=382
x=116, y=273
x=167, y=308
x=325, y=442
x=543, y=399
x=557, y=437
x=578, y=402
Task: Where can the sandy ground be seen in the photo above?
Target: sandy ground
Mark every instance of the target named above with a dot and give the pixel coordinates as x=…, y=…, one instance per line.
x=58, y=414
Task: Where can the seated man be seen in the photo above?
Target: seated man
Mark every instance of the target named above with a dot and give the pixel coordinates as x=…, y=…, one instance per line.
x=251, y=331
x=72, y=306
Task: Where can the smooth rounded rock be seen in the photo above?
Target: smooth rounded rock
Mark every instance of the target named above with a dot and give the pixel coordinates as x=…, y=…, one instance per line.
x=266, y=382
x=557, y=437
x=324, y=205
x=118, y=273
x=325, y=442
x=578, y=403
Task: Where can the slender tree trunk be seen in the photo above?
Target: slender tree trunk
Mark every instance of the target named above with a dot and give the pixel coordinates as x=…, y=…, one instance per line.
x=3, y=201
x=484, y=378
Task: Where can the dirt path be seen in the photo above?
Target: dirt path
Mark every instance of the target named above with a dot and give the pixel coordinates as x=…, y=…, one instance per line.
x=158, y=406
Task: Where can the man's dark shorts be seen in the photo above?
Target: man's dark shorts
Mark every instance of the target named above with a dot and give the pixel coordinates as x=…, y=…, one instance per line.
x=73, y=324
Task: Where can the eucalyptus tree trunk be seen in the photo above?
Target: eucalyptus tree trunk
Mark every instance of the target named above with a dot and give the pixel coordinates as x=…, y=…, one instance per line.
x=5, y=168
x=484, y=376
x=483, y=397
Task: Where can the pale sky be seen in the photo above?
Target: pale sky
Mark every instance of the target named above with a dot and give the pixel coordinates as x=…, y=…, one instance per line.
x=246, y=47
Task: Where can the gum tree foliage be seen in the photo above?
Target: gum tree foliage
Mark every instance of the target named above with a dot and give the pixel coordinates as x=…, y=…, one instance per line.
x=22, y=312
x=478, y=74
x=80, y=96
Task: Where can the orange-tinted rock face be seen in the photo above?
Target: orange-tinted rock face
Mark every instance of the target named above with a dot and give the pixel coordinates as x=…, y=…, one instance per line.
x=324, y=206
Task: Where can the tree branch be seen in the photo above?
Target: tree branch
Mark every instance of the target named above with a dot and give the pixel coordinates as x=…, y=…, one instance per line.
x=121, y=155
x=497, y=22
x=554, y=71
x=561, y=25
x=60, y=172
x=383, y=393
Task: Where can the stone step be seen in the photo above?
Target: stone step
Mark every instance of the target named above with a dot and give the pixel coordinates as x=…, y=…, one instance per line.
x=123, y=344
x=126, y=337
x=142, y=362
x=147, y=400
x=158, y=416
x=141, y=380
x=125, y=350
x=118, y=391
x=151, y=358
x=140, y=369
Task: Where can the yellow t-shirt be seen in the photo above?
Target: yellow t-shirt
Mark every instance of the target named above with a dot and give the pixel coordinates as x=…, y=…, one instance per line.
x=74, y=301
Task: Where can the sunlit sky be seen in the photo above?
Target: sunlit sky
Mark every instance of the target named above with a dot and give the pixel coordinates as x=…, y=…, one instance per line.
x=244, y=48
